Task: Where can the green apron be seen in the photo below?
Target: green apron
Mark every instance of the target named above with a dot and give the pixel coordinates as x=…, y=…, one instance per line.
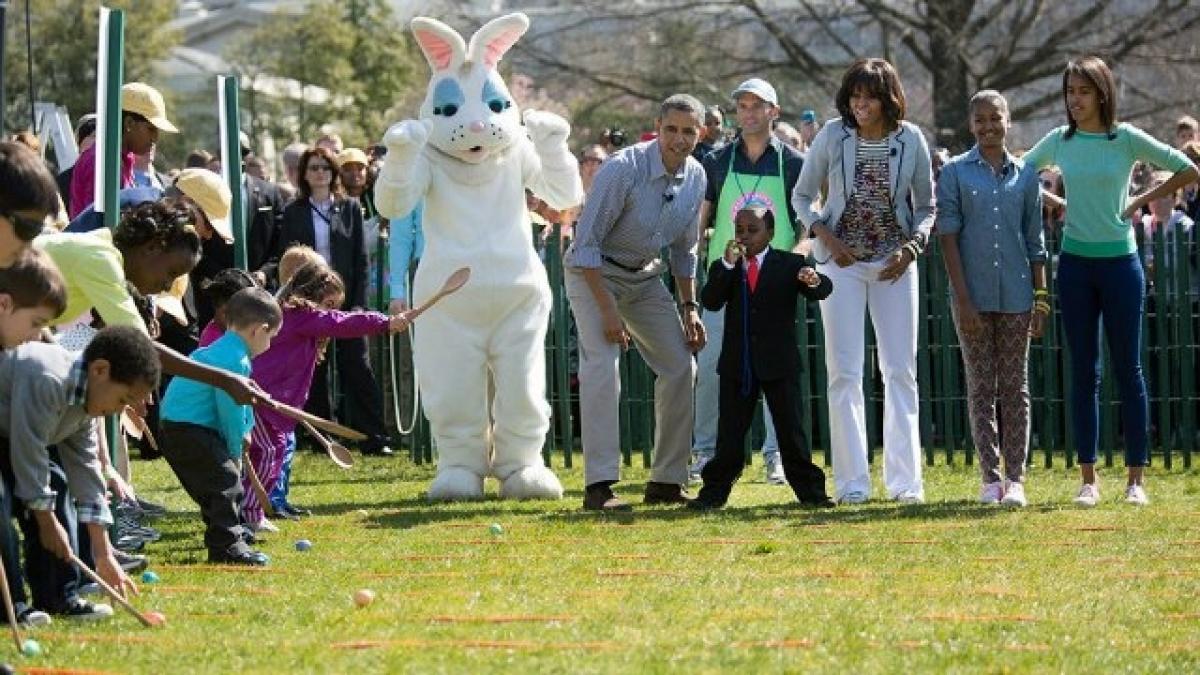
x=742, y=188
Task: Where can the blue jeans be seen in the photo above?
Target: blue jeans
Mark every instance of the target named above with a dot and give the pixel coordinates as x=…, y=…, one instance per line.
x=53, y=583
x=279, y=496
x=1112, y=290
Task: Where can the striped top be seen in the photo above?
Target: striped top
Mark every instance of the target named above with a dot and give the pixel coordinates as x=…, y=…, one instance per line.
x=868, y=225
x=636, y=208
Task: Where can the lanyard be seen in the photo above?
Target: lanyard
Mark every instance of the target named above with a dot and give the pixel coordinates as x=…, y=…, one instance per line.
x=327, y=219
x=738, y=182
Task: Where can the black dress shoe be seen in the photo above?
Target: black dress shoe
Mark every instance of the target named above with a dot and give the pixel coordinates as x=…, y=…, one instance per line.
x=704, y=505
x=818, y=502
x=665, y=493
x=379, y=451
x=239, y=557
x=601, y=498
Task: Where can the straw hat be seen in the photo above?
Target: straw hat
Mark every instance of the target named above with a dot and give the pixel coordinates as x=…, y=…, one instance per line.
x=141, y=98
x=211, y=194
x=351, y=155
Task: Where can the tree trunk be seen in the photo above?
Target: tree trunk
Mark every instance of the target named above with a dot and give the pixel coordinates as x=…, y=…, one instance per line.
x=949, y=69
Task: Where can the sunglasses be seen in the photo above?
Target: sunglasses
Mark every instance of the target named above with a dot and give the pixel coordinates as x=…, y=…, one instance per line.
x=588, y=160
x=313, y=168
x=26, y=228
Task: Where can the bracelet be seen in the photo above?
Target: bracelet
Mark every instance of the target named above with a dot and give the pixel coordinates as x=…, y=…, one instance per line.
x=1041, y=293
x=1042, y=307
x=690, y=304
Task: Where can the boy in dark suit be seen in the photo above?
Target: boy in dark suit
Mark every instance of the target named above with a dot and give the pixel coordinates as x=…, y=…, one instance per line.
x=758, y=286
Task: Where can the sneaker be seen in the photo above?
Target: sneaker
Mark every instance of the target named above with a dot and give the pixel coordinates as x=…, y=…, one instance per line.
x=150, y=509
x=1136, y=495
x=90, y=588
x=239, y=556
x=991, y=493
x=1014, y=495
x=774, y=469
x=910, y=497
x=130, y=543
x=1089, y=496
x=33, y=618
x=129, y=525
x=854, y=497
x=82, y=610
x=699, y=459
x=129, y=562
x=264, y=525
x=284, y=512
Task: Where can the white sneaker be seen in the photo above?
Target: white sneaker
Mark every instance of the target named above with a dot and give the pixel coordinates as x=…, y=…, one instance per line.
x=1136, y=495
x=774, y=469
x=82, y=610
x=910, y=497
x=991, y=493
x=854, y=497
x=699, y=459
x=1089, y=496
x=33, y=618
x=264, y=525
x=1014, y=495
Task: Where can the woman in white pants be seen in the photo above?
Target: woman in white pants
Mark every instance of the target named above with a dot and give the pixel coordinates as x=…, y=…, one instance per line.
x=871, y=228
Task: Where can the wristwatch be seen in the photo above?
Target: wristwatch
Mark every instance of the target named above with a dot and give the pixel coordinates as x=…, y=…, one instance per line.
x=690, y=304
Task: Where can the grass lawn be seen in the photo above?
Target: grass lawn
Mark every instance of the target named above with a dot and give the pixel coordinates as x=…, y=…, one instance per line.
x=764, y=586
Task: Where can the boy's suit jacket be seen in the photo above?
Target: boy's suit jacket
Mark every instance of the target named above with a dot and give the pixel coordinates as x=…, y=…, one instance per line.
x=771, y=315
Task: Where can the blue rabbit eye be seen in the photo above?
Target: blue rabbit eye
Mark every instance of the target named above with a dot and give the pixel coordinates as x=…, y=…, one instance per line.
x=447, y=98
x=495, y=96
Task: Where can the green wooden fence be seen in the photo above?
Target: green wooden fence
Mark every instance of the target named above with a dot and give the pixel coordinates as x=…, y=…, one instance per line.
x=1169, y=361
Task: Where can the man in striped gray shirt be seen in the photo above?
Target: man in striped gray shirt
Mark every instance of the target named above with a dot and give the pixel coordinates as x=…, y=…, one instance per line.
x=644, y=199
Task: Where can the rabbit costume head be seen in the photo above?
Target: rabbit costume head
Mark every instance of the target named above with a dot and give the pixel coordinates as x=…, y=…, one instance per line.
x=473, y=115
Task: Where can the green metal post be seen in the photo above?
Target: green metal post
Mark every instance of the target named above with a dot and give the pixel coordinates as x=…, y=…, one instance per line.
x=231, y=163
x=110, y=73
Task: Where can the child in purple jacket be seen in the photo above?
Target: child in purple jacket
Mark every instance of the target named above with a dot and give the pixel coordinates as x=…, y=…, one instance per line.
x=285, y=371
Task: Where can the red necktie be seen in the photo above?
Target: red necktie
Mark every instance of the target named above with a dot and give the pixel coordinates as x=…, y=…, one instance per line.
x=752, y=272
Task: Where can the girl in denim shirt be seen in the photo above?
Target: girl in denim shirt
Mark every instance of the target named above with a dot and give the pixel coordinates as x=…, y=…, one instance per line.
x=989, y=219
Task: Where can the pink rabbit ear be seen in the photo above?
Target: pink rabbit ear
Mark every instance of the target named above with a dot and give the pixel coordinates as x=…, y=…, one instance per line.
x=442, y=45
x=492, y=41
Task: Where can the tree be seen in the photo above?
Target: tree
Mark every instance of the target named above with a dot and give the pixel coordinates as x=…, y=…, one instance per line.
x=354, y=53
x=65, y=36
x=615, y=52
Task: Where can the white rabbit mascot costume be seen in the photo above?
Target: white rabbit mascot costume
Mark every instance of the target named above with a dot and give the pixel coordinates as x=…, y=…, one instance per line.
x=470, y=159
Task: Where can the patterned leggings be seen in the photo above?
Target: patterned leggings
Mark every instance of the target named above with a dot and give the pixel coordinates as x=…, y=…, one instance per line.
x=997, y=365
x=268, y=448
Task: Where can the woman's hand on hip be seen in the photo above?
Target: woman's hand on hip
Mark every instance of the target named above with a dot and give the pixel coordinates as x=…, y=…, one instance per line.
x=897, y=263
x=839, y=252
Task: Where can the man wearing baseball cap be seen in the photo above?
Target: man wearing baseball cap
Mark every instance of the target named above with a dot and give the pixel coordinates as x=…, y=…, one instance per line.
x=757, y=169
x=143, y=116
x=353, y=166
